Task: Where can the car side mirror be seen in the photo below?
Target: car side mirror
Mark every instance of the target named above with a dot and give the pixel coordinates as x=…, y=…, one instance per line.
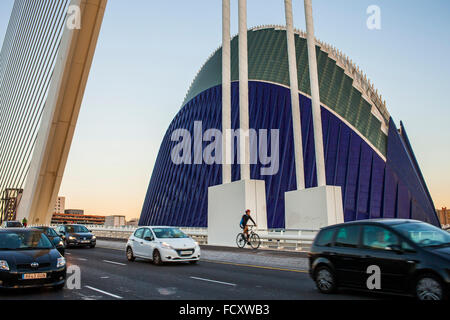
x=148, y=239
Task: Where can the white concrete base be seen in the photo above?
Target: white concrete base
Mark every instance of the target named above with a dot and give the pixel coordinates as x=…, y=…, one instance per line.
x=226, y=205
x=314, y=208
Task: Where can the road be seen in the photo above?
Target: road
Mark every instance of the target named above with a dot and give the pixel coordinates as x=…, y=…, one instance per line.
x=107, y=275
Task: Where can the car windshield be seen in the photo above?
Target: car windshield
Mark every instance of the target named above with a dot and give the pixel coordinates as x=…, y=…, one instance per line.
x=24, y=240
x=49, y=232
x=14, y=224
x=77, y=229
x=423, y=234
x=166, y=233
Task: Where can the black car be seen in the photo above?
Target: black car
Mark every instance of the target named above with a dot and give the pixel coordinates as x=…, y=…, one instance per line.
x=391, y=255
x=76, y=235
x=29, y=259
x=54, y=238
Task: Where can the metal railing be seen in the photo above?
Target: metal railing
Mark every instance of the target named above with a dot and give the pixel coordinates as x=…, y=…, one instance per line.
x=279, y=239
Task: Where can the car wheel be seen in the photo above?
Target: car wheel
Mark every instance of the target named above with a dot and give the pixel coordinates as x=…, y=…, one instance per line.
x=429, y=287
x=130, y=255
x=157, y=258
x=325, y=280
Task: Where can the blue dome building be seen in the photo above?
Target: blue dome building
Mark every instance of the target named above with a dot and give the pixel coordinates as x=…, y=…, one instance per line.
x=366, y=153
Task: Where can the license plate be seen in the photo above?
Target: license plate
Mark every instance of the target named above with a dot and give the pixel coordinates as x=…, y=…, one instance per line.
x=85, y=241
x=33, y=276
x=186, y=252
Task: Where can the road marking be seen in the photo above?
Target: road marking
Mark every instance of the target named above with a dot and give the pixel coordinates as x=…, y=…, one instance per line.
x=219, y=282
x=104, y=292
x=104, y=277
x=113, y=262
x=253, y=266
x=81, y=259
x=68, y=253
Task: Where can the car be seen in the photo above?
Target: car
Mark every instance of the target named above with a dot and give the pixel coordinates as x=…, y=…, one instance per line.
x=29, y=259
x=399, y=256
x=54, y=237
x=12, y=224
x=76, y=235
x=162, y=244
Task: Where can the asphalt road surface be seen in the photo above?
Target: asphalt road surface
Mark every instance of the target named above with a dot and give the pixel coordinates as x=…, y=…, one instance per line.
x=107, y=275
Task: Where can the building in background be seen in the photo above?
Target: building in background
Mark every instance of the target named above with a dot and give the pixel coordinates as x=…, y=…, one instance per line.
x=115, y=221
x=444, y=216
x=70, y=218
x=133, y=222
x=74, y=211
x=366, y=153
x=60, y=205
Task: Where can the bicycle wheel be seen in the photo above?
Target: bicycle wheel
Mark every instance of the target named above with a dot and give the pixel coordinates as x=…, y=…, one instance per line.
x=240, y=240
x=255, y=241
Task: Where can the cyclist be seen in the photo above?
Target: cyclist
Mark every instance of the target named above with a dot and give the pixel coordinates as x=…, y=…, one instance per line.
x=244, y=222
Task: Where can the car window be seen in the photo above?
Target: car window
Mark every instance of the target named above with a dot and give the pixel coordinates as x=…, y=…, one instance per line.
x=139, y=233
x=347, y=237
x=147, y=233
x=379, y=238
x=423, y=234
x=325, y=238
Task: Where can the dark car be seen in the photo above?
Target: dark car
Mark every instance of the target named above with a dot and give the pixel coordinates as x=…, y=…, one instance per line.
x=54, y=238
x=391, y=255
x=29, y=259
x=75, y=235
x=12, y=224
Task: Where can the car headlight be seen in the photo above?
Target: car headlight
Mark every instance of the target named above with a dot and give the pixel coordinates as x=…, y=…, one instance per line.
x=94, y=237
x=4, y=265
x=196, y=244
x=61, y=262
x=61, y=244
x=72, y=238
x=166, y=245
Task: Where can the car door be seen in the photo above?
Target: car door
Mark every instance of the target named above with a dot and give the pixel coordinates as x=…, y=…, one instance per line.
x=383, y=249
x=347, y=255
x=137, y=242
x=149, y=243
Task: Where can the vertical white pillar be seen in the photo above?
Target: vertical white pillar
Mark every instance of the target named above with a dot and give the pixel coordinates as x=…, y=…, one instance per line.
x=243, y=92
x=315, y=95
x=226, y=93
x=295, y=103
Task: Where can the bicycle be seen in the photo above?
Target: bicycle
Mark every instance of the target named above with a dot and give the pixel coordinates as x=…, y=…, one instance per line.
x=253, y=239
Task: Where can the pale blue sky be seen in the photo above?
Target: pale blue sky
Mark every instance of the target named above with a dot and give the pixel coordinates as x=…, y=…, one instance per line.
x=150, y=51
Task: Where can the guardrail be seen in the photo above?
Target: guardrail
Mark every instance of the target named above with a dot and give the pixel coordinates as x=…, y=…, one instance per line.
x=280, y=239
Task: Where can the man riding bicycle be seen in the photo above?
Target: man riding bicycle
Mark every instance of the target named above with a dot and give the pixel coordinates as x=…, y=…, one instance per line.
x=244, y=222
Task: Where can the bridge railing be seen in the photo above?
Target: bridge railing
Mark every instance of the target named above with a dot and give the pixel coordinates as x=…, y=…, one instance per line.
x=279, y=239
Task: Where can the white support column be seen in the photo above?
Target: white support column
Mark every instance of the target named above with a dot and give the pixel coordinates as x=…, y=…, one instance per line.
x=295, y=103
x=315, y=95
x=314, y=208
x=226, y=93
x=243, y=92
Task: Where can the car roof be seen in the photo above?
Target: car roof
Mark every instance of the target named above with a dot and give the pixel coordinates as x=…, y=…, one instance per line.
x=6, y=230
x=388, y=222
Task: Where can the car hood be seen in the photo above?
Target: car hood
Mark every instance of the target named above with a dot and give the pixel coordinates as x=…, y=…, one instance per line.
x=182, y=243
x=29, y=256
x=81, y=234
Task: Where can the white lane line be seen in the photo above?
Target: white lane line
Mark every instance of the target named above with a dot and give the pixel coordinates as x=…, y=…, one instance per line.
x=82, y=259
x=104, y=292
x=68, y=254
x=113, y=262
x=104, y=277
x=214, y=281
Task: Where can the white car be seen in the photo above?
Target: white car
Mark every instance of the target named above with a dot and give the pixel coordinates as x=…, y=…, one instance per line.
x=162, y=244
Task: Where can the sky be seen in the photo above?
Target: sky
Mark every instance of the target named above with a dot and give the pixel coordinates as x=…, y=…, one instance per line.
x=150, y=51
